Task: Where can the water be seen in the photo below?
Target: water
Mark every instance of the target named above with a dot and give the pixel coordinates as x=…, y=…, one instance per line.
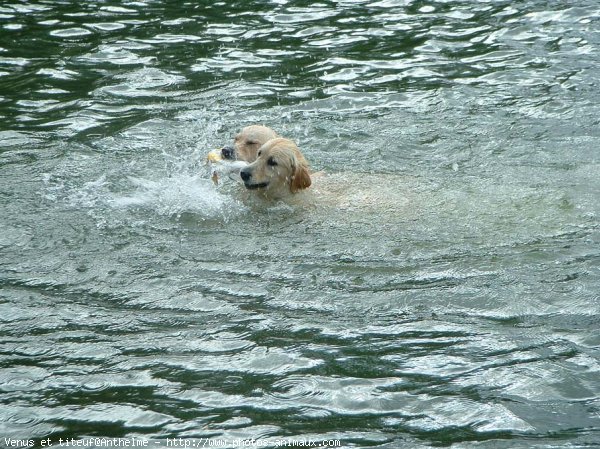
x=437, y=288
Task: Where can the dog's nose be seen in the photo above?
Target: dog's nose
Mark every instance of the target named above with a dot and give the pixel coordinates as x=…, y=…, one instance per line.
x=245, y=175
x=228, y=153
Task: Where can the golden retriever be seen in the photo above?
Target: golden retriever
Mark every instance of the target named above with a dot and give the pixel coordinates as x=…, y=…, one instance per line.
x=279, y=170
x=247, y=142
x=273, y=168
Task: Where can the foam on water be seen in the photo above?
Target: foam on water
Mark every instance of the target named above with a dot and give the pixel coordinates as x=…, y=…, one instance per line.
x=164, y=195
x=174, y=196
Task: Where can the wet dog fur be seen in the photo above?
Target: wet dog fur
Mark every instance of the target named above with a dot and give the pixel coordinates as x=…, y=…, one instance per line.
x=280, y=169
x=247, y=142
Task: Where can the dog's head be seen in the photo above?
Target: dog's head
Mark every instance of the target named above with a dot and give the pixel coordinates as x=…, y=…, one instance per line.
x=280, y=169
x=247, y=142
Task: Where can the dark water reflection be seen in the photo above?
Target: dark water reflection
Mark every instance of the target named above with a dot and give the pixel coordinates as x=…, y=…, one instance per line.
x=439, y=288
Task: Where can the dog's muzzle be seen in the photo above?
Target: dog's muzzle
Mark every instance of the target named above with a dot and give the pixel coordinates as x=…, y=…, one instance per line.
x=246, y=176
x=228, y=153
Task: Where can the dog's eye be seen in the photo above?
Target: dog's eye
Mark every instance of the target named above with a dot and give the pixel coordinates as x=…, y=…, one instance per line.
x=259, y=153
x=272, y=162
x=251, y=142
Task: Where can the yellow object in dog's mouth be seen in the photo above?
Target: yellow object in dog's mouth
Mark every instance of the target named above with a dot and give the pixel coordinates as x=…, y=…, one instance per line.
x=220, y=167
x=214, y=156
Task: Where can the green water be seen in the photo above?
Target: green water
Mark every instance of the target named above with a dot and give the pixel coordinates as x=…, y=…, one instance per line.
x=438, y=287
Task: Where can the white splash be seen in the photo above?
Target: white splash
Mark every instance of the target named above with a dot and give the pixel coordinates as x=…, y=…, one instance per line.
x=169, y=196
x=175, y=195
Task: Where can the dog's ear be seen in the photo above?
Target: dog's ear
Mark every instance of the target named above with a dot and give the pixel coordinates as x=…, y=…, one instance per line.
x=300, y=179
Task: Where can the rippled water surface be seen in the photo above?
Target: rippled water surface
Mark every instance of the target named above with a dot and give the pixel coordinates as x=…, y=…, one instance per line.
x=438, y=287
